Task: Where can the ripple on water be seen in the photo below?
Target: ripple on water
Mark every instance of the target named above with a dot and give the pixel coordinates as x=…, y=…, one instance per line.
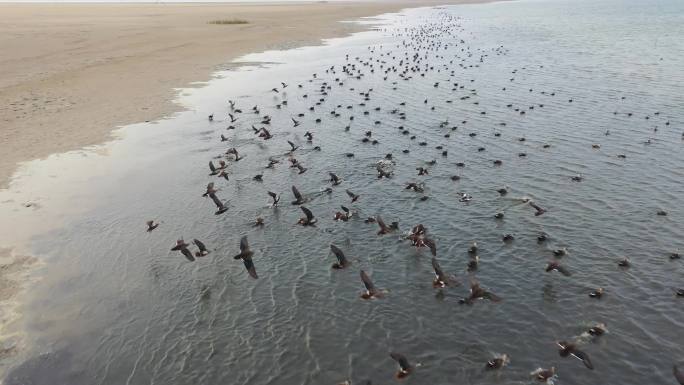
x=120, y=308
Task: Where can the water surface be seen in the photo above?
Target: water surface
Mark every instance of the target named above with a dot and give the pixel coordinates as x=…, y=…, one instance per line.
x=115, y=306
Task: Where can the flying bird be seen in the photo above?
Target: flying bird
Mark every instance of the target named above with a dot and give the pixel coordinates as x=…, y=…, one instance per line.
x=342, y=261
x=246, y=256
x=298, y=196
x=371, y=290
x=384, y=229
x=275, y=197
x=308, y=219
x=202, y=249
x=405, y=367
x=569, y=349
x=151, y=225
x=219, y=205
x=441, y=279
x=353, y=196
x=183, y=248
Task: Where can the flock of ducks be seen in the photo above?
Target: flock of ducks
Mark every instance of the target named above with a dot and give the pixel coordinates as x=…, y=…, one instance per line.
x=409, y=60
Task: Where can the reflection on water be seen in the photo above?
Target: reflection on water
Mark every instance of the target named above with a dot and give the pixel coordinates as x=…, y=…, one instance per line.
x=116, y=306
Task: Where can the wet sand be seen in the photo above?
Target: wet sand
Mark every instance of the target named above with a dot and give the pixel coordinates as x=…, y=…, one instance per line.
x=74, y=72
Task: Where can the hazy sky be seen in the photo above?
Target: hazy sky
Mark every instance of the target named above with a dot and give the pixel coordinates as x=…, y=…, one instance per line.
x=167, y=1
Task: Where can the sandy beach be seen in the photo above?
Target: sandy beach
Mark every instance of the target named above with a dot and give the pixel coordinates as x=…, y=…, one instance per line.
x=74, y=72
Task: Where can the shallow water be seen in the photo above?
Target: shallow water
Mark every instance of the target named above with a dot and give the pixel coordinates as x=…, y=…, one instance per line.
x=115, y=306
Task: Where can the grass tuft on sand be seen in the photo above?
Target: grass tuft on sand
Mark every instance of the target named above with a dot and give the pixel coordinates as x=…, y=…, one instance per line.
x=228, y=21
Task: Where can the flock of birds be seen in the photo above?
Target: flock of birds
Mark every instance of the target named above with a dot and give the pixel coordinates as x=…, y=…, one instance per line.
x=408, y=61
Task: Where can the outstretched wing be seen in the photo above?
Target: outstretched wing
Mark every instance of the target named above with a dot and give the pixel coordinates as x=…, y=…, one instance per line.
x=244, y=245
x=199, y=244
x=249, y=265
x=492, y=297
x=297, y=194
x=212, y=167
x=401, y=360
x=292, y=145
x=308, y=213
x=584, y=357
x=339, y=254
x=563, y=271
x=351, y=194
x=431, y=244
x=367, y=282
x=187, y=254
x=438, y=270
x=381, y=223
x=345, y=209
x=217, y=201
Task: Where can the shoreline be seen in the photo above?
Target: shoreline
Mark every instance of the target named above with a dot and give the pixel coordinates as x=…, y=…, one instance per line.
x=56, y=102
x=76, y=72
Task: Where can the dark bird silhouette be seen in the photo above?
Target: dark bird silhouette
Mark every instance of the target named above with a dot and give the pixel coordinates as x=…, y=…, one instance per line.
x=183, y=248
x=298, y=196
x=292, y=146
x=555, y=266
x=415, y=187
x=353, y=196
x=342, y=261
x=219, y=205
x=213, y=168
x=384, y=229
x=234, y=152
x=308, y=219
x=210, y=189
x=151, y=225
x=202, y=249
x=275, y=197
x=301, y=168
x=343, y=216
x=624, y=263
x=334, y=179
x=371, y=290
x=246, y=256
x=405, y=367
x=477, y=292
x=441, y=279
x=539, y=211
x=569, y=349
